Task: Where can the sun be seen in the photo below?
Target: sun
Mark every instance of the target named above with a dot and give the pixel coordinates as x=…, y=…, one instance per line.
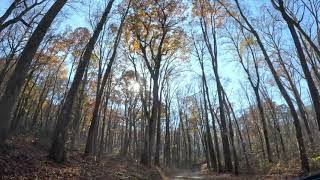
x=134, y=86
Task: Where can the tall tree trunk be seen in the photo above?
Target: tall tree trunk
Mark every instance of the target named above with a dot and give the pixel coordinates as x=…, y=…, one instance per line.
x=42, y=96
x=167, y=152
x=264, y=124
x=102, y=134
x=255, y=86
x=9, y=99
x=275, y=119
x=189, y=140
x=57, y=150
x=23, y=100
x=210, y=149
x=253, y=114
x=299, y=102
x=234, y=151
x=75, y=137
x=215, y=135
x=302, y=151
x=312, y=87
x=213, y=52
x=94, y=121
x=199, y=53
x=239, y=132
x=148, y=148
x=157, y=154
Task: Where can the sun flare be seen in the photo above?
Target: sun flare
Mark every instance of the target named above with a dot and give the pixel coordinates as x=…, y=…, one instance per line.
x=134, y=86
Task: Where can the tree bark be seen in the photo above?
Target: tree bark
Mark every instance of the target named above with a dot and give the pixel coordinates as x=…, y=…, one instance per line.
x=15, y=82
x=94, y=121
x=210, y=149
x=234, y=152
x=312, y=87
x=57, y=151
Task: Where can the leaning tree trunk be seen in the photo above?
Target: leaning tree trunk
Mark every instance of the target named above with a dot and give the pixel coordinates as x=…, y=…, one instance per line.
x=297, y=97
x=57, y=151
x=210, y=149
x=302, y=151
x=215, y=135
x=9, y=11
x=94, y=121
x=239, y=133
x=312, y=87
x=234, y=151
x=15, y=82
x=264, y=124
x=212, y=48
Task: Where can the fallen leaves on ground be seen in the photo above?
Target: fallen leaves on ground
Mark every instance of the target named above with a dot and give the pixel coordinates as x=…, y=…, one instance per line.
x=22, y=159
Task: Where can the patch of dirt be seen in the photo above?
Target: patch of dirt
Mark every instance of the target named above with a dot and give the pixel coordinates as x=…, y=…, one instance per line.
x=23, y=159
x=204, y=174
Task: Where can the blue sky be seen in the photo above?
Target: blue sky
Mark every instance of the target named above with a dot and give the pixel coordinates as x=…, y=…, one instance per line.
x=231, y=72
x=3, y=6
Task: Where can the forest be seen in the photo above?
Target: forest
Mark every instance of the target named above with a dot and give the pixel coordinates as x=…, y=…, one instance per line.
x=159, y=89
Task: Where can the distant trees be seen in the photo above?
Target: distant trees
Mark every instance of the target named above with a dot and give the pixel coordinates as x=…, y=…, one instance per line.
x=215, y=159
x=246, y=45
x=210, y=20
x=154, y=35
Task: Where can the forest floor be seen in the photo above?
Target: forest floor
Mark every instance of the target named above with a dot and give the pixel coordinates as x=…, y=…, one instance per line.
x=188, y=175
x=204, y=174
x=23, y=158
